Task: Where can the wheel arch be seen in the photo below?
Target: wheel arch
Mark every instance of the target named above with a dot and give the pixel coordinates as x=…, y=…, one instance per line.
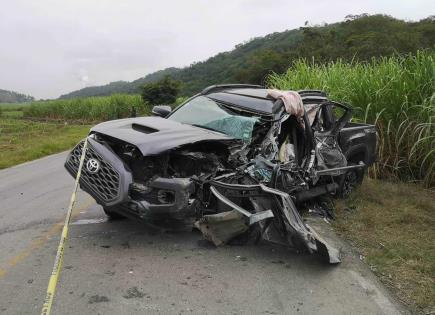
x=357, y=153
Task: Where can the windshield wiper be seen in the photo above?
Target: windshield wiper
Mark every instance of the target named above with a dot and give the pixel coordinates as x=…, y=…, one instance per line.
x=208, y=128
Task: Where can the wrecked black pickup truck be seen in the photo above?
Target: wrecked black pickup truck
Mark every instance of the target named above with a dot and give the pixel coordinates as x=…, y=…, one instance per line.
x=237, y=161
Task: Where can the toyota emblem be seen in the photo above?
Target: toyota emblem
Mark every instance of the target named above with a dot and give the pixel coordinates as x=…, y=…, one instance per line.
x=93, y=166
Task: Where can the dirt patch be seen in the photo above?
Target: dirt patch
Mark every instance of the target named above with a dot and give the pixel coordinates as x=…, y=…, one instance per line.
x=98, y=299
x=133, y=293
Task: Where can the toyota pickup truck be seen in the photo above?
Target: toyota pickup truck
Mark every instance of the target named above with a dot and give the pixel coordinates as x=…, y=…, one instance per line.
x=231, y=160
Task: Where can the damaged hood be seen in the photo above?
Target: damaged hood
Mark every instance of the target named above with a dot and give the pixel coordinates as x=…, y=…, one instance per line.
x=154, y=135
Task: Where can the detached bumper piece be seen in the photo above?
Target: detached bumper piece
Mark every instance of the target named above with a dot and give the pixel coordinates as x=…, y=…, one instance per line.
x=273, y=210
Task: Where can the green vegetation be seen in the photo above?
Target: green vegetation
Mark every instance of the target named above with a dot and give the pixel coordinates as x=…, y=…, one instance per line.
x=357, y=38
x=12, y=110
x=14, y=97
x=12, y=114
x=5, y=107
x=22, y=141
x=118, y=87
x=395, y=93
x=89, y=109
x=392, y=226
x=164, y=91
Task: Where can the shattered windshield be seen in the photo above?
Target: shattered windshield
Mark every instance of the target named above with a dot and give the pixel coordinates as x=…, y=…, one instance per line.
x=206, y=113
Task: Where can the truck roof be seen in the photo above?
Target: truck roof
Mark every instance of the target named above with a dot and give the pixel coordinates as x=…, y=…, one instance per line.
x=254, y=97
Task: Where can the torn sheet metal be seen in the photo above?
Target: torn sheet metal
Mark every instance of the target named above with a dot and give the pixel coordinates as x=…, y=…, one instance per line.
x=312, y=240
x=288, y=223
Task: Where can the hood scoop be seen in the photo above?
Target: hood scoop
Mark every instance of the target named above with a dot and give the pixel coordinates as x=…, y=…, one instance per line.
x=143, y=129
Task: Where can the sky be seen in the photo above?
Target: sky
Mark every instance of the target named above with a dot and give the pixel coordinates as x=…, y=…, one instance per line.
x=52, y=47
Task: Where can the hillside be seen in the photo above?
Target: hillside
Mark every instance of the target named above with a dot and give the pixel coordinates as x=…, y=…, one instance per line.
x=358, y=37
x=14, y=97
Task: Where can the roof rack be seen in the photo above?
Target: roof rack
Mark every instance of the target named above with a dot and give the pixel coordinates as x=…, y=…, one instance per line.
x=214, y=88
x=315, y=93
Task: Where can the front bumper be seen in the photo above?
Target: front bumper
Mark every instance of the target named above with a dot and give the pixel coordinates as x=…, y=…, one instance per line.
x=111, y=186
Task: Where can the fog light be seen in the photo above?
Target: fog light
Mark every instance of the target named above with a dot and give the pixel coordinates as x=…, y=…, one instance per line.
x=165, y=196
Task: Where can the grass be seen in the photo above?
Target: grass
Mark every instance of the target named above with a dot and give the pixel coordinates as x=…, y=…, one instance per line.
x=90, y=109
x=22, y=141
x=392, y=226
x=395, y=93
x=27, y=139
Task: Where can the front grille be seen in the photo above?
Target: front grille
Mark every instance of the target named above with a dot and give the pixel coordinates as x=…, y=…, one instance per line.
x=105, y=183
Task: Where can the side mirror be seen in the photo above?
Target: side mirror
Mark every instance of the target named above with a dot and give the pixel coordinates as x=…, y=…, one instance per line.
x=161, y=110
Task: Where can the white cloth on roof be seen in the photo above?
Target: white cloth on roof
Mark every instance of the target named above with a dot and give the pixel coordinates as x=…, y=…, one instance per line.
x=291, y=99
x=293, y=104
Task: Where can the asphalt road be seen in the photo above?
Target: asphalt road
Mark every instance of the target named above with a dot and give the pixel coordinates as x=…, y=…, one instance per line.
x=125, y=267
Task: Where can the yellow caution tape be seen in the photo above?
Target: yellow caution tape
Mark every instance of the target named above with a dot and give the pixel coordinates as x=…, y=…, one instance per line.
x=48, y=302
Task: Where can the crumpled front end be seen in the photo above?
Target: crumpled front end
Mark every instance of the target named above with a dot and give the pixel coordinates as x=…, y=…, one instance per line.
x=111, y=182
x=194, y=182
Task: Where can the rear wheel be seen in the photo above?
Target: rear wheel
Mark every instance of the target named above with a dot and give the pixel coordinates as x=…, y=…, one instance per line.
x=349, y=182
x=113, y=215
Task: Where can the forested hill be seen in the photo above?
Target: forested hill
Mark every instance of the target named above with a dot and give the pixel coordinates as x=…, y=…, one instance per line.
x=358, y=37
x=14, y=97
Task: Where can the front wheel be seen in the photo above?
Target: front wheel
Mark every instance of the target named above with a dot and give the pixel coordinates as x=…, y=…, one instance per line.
x=113, y=215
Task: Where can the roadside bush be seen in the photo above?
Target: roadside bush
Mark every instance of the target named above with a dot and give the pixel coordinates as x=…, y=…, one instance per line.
x=88, y=109
x=395, y=93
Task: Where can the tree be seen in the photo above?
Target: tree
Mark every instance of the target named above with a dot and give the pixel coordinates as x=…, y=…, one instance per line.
x=164, y=91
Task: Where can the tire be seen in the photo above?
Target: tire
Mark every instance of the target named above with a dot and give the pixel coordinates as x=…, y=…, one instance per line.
x=113, y=215
x=349, y=182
